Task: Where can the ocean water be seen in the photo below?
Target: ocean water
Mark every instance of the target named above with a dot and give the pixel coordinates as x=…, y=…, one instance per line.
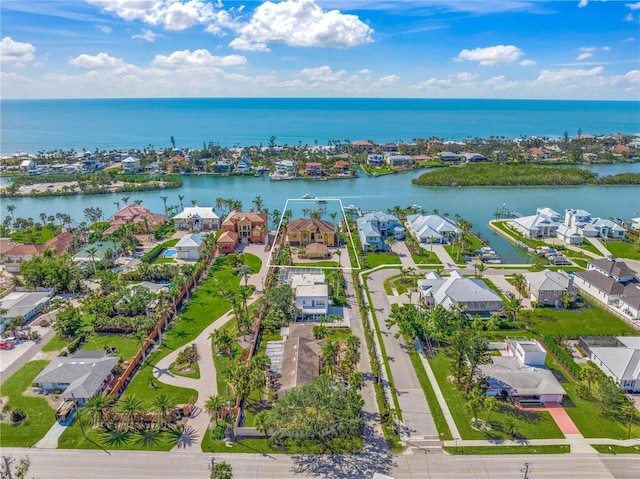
x=34, y=125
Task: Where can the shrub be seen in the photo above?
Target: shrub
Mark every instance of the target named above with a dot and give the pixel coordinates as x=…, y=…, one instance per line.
x=18, y=415
x=562, y=356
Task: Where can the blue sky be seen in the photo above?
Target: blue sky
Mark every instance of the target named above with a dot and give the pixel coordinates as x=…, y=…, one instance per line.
x=575, y=49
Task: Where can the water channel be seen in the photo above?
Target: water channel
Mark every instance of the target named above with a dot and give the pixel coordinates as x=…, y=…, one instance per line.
x=476, y=205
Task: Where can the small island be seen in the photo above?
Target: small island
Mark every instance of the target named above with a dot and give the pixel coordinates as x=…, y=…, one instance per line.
x=491, y=174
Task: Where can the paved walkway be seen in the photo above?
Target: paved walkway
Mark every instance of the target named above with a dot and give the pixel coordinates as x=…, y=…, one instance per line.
x=50, y=439
x=601, y=247
x=444, y=256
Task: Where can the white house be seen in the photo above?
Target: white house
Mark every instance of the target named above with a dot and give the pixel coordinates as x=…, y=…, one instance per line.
x=244, y=165
x=608, y=229
x=131, y=165
x=311, y=294
x=635, y=223
x=432, y=228
x=617, y=270
x=535, y=226
x=629, y=302
x=568, y=235
x=190, y=247
x=198, y=218
x=618, y=357
x=606, y=280
x=27, y=165
x=522, y=374
x=549, y=213
x=374, y=228
x=575, y=218
x=467, y=294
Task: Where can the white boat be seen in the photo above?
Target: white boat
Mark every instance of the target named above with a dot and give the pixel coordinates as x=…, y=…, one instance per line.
x=487, y=255
x=307, y=197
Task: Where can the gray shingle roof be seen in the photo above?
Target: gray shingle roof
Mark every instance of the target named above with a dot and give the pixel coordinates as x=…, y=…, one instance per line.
x=84, y=375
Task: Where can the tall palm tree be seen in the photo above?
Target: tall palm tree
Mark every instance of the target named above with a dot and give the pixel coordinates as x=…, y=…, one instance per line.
x=258, y=202
x=181, y=197
x=263, y=422
x=96, y=408
x=11, y=209
x=520, y=282
x=130, y=409
x=92, y=253
x=214, y=406
x=163, y=405
x=125, y=200
x=164, y=200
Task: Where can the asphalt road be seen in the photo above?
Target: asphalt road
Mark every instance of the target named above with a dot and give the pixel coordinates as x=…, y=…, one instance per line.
x=72, y=464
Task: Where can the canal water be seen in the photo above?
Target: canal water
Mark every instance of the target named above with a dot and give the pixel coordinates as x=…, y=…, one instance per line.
x=476, y=205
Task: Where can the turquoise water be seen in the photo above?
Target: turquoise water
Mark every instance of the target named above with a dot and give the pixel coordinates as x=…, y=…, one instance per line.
x=34, y=125
x=169, y=253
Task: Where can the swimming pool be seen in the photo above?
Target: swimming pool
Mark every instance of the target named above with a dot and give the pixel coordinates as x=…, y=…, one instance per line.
x=169, y=253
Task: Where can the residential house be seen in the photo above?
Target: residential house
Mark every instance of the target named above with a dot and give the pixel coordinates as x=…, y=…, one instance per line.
x=568, y=235
x=190, y=247
x=575, y=218
x=222, y=167
x=535, y=226
x=317, y=251
x=23, y=252
x=313, y=169
x=605, y=280
x=341, y=167
x=389, y=148
x=249, y=226
x=629, y=302
x=553, y=215
x=297, y=360
x=131, y=165
x=618, y=357
x=311, y=293
x=432, y=228
x=398, y=160
x=374, y=228
x=6, y=244
x=286, y=167
x=448, y=156
x=617, y=270
x=227, y=242
x=303, y=231
x=538, y=154
x=607, y=228
x=363, y=146
x=176, y=163
x=198, y=218
x=469, y=295
x=474, y=157
x=135, y=215
x=635, y=223
x=548, y=287
x=60, y=243
x=28, y=165
x=78, y=378
x=375, y=159
x=23, y=303
x=522, y=375
x=244, y=165
x=91, y=164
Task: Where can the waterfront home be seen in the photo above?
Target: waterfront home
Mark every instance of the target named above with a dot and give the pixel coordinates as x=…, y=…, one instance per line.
x=23, y=303
x=432, y=228
x=60, y=243
x=468, y=295
x=553, y=215
x=617, y=357
x=311, y=293
x=538, y=154
x=138, y=215
x=448, y=156
x=23, y=252
x=363, y=146
x=522, y=375
x=249, y=226
x=303, y=231
x=175, y=164
x=295, y=361
x=389, y=148
x=474, y=157
x=198, y=218
x=568, y=235
x=341, y=167
x=227, y=242
x=375, y=159
x=535, y=226
x=605, y=280
x=608, y=229
x=27, y=165
x=285, y=170
x=131, y=165
x=548, y=287
x=78, y=378
x=222, y=167
x=313, y=169
x=576, y=218
x=635, y=223
x=98, y=249
x=190, y=247
x=91, y=164
x=398, y=160
x=244, y=165
x=374, y=228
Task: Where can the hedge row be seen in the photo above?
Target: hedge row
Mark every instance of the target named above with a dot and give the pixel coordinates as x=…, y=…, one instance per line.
x=563, y=356
x=151, y=255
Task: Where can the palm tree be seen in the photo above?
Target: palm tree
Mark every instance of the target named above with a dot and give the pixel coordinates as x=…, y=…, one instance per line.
x=117, y=203
x=328, y=352
x=214, y=406
x=491, y=405
x=163, y=405
x=194, y=202
x=181, y=197
x=11, y=209
x=589, y=374
x=258, y=202
x=125, y=200
x=263, y=421
x=96, y=408
x=92, y=253
x=513, y=307
x=164, y=200
x=244, y=271
x=520, y=283
x=130, y=409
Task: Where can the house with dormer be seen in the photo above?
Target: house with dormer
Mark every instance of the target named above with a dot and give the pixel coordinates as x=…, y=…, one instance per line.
x=606, y=280
x=374, y=228
x=303, y=231
x=250, y=227
x=432, y=228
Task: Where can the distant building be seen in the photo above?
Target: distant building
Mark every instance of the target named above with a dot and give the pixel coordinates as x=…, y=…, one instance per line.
x=137, y=215
x=190, y=247
x=131, y=165
x=432, y=228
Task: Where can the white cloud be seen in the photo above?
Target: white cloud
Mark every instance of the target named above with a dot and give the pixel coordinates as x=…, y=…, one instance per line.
x=634, y=6
x=500, y=84
x=633, y=76
x=566, y=75
x=198, y=58
x=583, y=3
x=170, y=14
x=629, y=40
x=491, y=56
x=629, y=17
x=245, y=45
x=322, y=74
x=584, y=56
x=588, y=49
x=302, y=23
x=103, y=62
x=16, y=52
x=104, y=28
x=386, y=81
x=364, y=71
x=147, y=35
x=432, y=83
x=466, y=76
x=527, y=63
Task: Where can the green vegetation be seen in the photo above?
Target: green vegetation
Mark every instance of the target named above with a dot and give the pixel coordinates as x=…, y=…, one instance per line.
x=493, y=450
x=379, y=259
x=34, y=234
x=253, y=262
x=40, y=416
x=623, y=249
x=127, y=346
x=613, y=449
x=518, y=175
x=572, y=323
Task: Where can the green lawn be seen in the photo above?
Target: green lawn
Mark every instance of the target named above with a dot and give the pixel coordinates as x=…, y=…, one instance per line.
x=55, y=344
x=42, y=236
x=501, y=225
x=428, y=258
x=530, y=425
x=253, y=262
x=401, y=283
x=195, y=374
x=378, y=259
x=127, y=346
x=94, y=438
x=588, y=246
x=40, y=416
x=606, y=449
x=508, y=450
x=589, y=321
x=622, y=249
x=262, y=446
